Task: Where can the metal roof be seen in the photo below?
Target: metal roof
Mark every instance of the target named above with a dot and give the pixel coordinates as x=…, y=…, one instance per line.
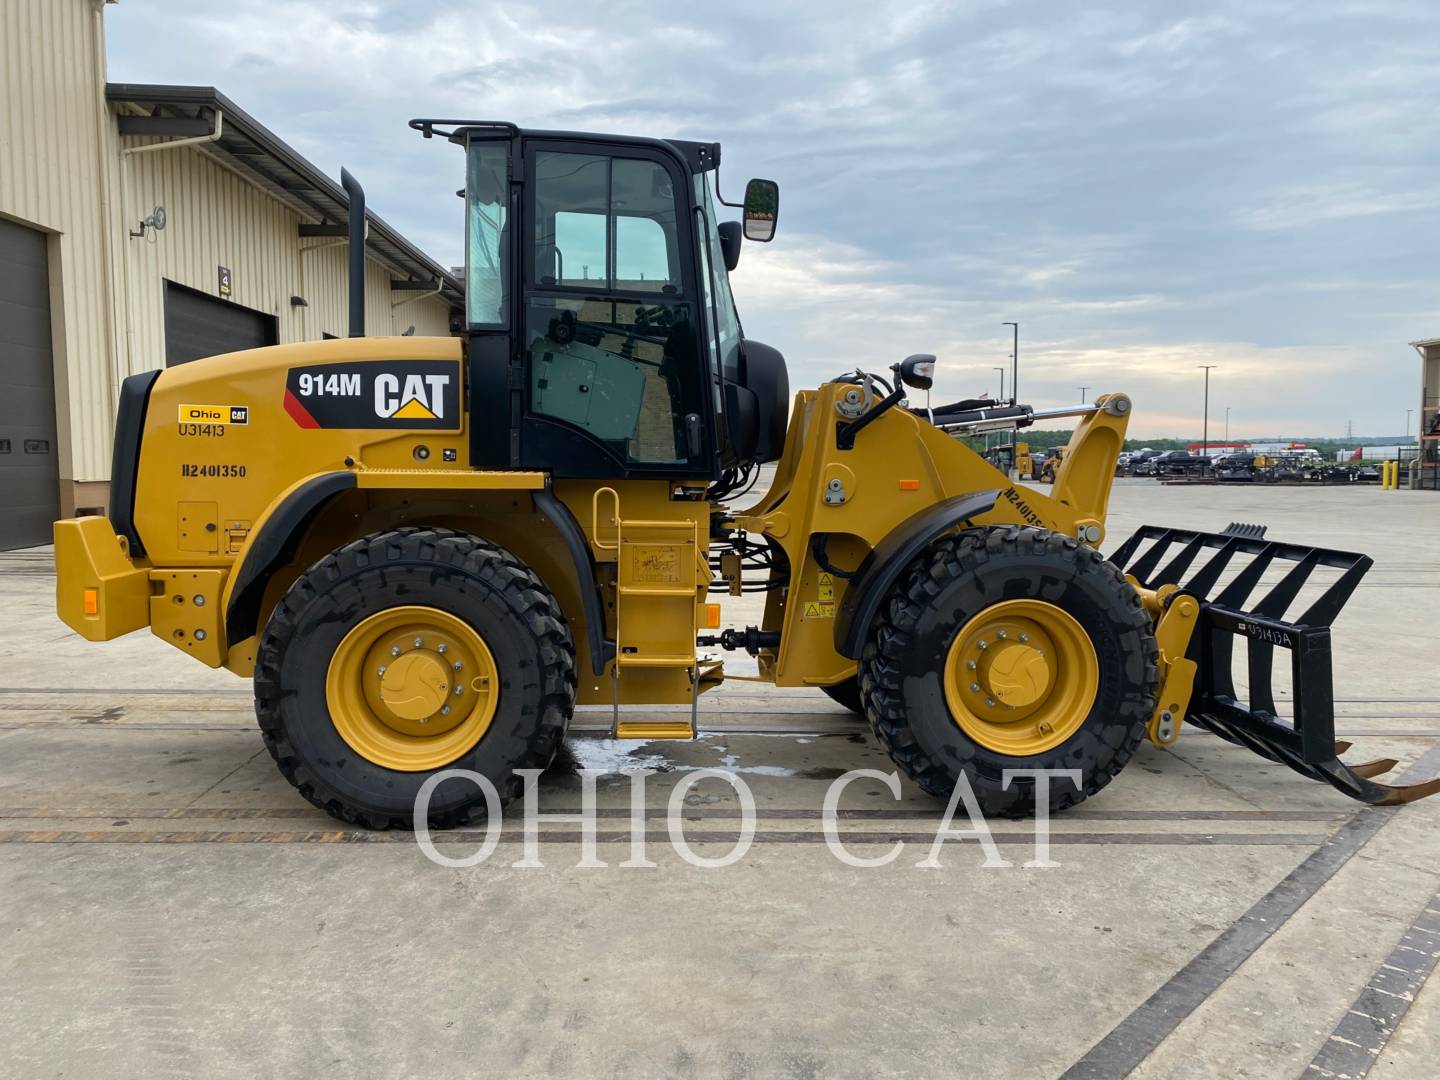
x=257, y=153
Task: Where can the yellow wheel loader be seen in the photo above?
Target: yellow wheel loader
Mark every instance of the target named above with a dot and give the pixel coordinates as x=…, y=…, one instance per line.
x=427, y=551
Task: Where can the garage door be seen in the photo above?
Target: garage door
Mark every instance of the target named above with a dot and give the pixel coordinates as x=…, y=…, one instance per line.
x=29, y=468
x=197, y=325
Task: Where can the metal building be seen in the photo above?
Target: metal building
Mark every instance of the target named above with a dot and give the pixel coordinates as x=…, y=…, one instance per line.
x=145, y=226
x=1428, y=434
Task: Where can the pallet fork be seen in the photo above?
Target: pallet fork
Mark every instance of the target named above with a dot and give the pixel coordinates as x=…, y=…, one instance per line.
x=1306, y=741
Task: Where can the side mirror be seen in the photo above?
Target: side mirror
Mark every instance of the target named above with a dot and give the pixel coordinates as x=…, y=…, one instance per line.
x=730, y=242
x=918, y=371
x=762, y=210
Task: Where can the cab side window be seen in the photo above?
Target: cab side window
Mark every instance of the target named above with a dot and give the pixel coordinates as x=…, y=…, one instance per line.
x=611, y=337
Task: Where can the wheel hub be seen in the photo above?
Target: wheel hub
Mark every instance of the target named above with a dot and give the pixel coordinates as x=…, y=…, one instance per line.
x=415, y=686
x=411, y=688
x=1021, y=677
x=1015, y=675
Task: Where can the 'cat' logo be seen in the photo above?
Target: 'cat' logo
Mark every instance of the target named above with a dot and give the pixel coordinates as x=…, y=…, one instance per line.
x=420, y=397
x=405, y=394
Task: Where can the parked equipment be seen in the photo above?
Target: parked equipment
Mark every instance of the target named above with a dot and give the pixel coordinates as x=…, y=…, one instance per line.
x=427, y=551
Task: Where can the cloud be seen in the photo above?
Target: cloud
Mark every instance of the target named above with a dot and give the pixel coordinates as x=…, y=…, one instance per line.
x=1142, y=187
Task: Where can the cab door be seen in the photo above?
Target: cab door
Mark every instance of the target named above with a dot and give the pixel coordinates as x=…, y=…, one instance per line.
x=612, y=320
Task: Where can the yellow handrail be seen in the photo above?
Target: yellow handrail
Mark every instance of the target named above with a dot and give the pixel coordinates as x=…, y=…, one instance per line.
x=595, y=518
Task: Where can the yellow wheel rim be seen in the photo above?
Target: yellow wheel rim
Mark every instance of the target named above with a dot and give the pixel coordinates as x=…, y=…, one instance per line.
x=1021, y=677
x=412, y=688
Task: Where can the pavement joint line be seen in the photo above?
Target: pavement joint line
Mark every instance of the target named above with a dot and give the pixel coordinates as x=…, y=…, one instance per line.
x=192, y=691
x=1136, y=1037
x=1376, y=1013
x=928, y=816
x=222, y=779
x=709, y=836
x=586, y=731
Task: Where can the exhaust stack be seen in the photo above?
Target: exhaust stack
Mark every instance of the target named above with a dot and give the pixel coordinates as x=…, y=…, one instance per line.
x=357, y=252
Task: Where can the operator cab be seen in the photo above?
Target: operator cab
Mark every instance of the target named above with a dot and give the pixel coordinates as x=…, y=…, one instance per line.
x=603, y=340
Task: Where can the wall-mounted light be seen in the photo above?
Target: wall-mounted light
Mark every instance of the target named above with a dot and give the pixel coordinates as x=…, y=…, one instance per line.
x=299, y=301
x=155, y=221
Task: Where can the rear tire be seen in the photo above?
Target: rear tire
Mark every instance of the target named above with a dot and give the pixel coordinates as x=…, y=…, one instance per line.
x=464, y=578
x=847, y=694
x=929, y=614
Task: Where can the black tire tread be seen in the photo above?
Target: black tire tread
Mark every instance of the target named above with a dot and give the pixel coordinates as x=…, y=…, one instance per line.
x=944, y=561
x=455, y=551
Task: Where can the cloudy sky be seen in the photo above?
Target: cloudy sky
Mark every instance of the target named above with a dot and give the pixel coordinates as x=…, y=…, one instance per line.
x=1145, y=187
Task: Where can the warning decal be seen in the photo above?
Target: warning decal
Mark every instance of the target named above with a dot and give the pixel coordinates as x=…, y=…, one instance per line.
x=823, y=606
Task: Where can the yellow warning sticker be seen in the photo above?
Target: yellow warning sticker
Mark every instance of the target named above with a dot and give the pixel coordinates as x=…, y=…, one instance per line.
x=817, y=609
x=826, y=589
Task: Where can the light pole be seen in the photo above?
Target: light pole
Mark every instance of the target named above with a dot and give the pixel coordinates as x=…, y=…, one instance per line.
x=1001, y=398
x=1082, y=390
x=1205, y=430
x=1014, y=363
x=1408, y=413
x=1227, y=423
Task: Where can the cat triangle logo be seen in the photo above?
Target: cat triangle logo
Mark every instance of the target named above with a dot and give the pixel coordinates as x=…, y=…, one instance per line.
x=421, y=397
x=413, y=410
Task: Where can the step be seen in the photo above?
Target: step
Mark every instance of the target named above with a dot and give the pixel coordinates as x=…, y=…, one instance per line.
x=658, y=590
x=684, y=525
x=654, y=729
x=656, y=660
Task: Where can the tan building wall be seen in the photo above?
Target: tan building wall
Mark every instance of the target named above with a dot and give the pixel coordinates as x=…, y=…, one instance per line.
x=215, y=218
x=63, y=170
x=57, y=166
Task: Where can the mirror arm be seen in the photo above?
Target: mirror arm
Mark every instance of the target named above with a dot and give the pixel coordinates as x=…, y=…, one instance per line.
x=721, y=198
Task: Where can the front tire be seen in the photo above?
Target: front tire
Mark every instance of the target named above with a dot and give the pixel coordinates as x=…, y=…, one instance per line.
x=481, y=673
x=1010, y=648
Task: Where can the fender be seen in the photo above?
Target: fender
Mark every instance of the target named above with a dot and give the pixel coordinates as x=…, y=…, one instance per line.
x=274, y=546
x=125, y=456
x=880, y=569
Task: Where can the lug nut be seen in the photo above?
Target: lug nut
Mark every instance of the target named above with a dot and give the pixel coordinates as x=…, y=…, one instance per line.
x=458, y=666
x=982, y=644
x=990, y=701
x=444, y=710
x=441, y=648
x=381, y=672
x=1000, y=633
x=970, y=664
x=394, y=650
x=459, y=688
x=1024, y=636
x=419, y=642
x=975, y=687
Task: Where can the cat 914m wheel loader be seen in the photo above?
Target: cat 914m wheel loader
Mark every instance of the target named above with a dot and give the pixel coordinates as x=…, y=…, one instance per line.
x=426, y=552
